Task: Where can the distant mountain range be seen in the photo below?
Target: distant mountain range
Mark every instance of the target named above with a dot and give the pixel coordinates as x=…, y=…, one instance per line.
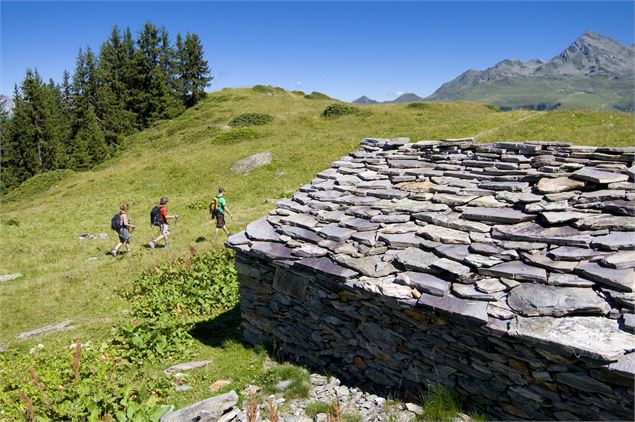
x=404, y=98
x=595, y=72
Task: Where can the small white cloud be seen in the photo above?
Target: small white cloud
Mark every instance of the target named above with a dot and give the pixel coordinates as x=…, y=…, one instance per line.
x=298, y=83
x=394, y=94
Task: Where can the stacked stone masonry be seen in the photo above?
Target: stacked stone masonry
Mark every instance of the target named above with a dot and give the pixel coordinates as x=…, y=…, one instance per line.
x=504, y=272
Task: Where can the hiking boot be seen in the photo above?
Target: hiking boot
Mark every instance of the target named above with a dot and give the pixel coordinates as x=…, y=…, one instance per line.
x=113, y=252
x=151, y=245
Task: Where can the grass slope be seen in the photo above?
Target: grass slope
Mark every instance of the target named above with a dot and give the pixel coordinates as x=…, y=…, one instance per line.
x=186, y=159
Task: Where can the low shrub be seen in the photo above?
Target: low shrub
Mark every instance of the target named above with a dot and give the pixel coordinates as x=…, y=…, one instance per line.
x=297, y=92
x=235, y=136
x=263, y=89
x=317, y=96
x=338, y=109
x=251, y=119
x=418, y=106
x=439, y=404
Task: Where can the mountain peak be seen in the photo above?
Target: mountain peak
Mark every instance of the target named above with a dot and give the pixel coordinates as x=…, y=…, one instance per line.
x=364, y=100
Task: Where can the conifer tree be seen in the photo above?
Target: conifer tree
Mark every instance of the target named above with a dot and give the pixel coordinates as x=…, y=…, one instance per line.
x=90, y=146
x=194, y=72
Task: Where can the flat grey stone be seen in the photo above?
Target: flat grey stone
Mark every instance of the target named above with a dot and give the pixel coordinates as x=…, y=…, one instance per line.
x=326, y=267
x=558, y=184
x=408, y=164
x=562, y=217
x=360, y=224
x=301, y=220
x=570, y=253
x=424, y=283
x=474, y=310
x=444, y=235
x=187, y=366
x=271, y=250
x=209, y=410
x=455, y=252
x=624, y=366
x=370, y=266
x=520, y=245
x=597, y=176
x=335, y=232
x=532, y=232
x=601, y=195
x=516, y=270
x=619, y=207
x=452, y=221
x=556, y=206
x=468, y=291
x=583, y=382
x=487, y=202
x=595, y=337
x=415, y=259
x=568, y=280
x=485, y=249
x=542, y=261
x=388, y=193
x=293, y=206
x=629, y=322
x=300, y=234
x=500, y=310
x=504, y=186
x=413, y=206
x=516, y=197
x=390, y=218
x=452, y=200
x=309, y=250
x=262, y=230
x=608, y=222
x=400, y=241
x=479, y=261
x=490, y=285
x=540, y=300
x=400, y=228
x=497, y=215
x=365, y=238
x=615, y=241
x=363, y=211
x=620, y=260
x=448, y=266
x=623, y=280
x=60, y=326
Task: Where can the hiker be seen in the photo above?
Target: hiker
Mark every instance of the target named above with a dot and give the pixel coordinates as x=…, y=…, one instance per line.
x=122, y=225
x=159, y=217
x=219, y=212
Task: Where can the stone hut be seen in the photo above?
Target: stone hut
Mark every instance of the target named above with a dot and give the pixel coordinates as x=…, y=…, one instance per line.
x=504, y=272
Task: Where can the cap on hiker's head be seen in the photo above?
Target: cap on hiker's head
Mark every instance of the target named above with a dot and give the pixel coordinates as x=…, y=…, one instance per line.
x=164, y=200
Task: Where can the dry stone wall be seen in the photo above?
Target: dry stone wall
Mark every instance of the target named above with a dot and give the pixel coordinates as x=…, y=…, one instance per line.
x=504, y=272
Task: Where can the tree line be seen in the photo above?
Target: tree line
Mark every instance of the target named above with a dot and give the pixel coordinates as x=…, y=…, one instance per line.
x=80, y=122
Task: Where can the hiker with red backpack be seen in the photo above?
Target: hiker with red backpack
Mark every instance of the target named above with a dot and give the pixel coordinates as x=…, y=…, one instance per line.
x=217, y=210
x=122, y=225
x=159, y=217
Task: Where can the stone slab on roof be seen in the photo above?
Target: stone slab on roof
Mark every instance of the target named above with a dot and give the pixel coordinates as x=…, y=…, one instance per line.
x=541, y=235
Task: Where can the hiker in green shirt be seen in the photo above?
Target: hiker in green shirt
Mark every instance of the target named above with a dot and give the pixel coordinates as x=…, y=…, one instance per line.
x=221, y=209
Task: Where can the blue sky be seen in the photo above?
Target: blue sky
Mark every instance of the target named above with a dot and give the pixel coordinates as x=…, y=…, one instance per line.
x=379, y=49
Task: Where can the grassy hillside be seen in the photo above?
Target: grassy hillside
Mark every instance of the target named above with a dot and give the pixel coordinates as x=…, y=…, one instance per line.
x=187, y=159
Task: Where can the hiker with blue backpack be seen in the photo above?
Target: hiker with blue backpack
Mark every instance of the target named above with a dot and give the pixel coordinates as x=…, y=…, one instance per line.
x=123, y=226
x=159, y=217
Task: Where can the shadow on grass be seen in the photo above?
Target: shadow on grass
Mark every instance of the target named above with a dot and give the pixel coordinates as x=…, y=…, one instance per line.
x=216, y=331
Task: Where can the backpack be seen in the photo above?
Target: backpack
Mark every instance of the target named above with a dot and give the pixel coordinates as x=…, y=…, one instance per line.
x=115, y=223
x=154, y=216
x=213, y=208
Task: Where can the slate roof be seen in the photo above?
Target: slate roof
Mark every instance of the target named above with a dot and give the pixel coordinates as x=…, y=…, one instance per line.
x=537, y=237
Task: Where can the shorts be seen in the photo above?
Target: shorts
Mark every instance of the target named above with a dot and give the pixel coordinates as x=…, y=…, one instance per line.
x=124, y=235
x=220, y=221
x=165, y=229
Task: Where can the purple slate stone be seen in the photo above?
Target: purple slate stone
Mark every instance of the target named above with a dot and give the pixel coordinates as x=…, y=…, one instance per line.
x=471, y=310
x=569, y=253
x=615, y=241
x=326, y=267
x=335, y=232
x=619, y=207
x=425, y=283
x=300, y=233
x=497, y=215
x=359, y=224
x=398, y=241
x=516, y=270
x=271, y=250
x=408, y=164
x=455, y=252
x=623, y=280
x=597, y=176
x=388, y=193
x=532, y=232
x=262, y=230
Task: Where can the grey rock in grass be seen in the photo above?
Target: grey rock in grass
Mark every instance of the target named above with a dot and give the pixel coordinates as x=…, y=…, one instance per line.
x=87, y=236
x=188, y=366
x=9, y=277
x=246, y=165
x=60, y=326
x=208, y=410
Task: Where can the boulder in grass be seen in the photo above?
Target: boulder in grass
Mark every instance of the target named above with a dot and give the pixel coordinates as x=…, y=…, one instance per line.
x=246, y=165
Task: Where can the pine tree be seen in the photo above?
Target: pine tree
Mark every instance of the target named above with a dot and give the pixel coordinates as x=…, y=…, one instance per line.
x=194, y=72
x=90, y=146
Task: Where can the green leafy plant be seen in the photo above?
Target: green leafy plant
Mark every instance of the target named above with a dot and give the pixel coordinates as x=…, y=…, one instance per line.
x=317, y=96
x=338, y=109
x=263, y=89
x=439, y=404
x=418, y=106
x=251, y=119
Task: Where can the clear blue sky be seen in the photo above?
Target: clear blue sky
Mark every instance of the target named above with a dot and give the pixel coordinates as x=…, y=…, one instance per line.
x=342, y=49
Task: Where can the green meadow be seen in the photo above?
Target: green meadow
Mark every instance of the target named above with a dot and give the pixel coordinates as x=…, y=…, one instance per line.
x=187, y=159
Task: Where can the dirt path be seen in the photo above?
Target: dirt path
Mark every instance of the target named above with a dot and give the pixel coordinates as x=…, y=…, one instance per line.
x=522, y=119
